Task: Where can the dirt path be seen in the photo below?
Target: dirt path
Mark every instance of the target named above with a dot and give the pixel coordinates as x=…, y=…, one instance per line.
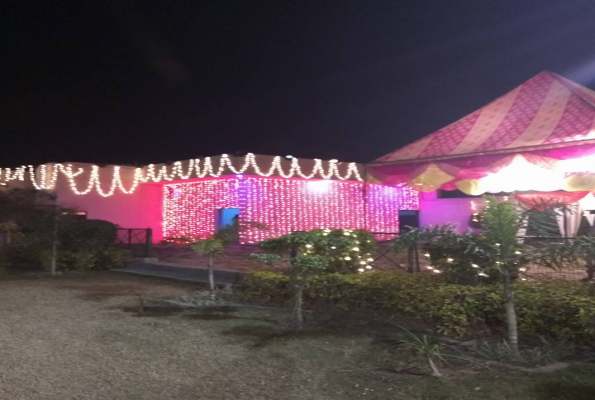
x=68, y=338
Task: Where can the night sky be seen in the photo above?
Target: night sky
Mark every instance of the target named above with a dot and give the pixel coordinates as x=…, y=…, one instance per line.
x=141, y=81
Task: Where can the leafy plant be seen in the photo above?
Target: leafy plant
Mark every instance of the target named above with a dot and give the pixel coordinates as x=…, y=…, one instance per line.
x=302, y=265
x=347, y=250
x=310, y=253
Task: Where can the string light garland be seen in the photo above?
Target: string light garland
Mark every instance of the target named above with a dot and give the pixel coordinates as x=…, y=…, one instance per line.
x=46, y=176
x=283, y=206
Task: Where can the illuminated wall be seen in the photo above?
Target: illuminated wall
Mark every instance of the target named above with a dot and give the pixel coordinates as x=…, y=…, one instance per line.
x=283, y=205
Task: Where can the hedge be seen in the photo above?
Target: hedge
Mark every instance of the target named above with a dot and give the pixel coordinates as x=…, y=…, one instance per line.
x=562, y=310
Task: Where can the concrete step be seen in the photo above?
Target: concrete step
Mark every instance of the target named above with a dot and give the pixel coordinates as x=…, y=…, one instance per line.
x=179, y=272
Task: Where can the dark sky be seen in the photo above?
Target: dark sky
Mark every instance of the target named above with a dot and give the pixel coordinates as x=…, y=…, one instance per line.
x=140, y=81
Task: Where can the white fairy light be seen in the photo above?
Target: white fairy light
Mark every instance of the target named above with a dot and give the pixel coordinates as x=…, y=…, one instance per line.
x=483, y=274
x=449, y=260
x=196, y=168
x=347, y=258
x=368, y=267
x=475, y=265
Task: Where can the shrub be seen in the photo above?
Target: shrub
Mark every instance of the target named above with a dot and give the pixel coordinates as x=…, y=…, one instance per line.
x=455, y=255
x=75, y=260
x=112, y=257
x=346, y=250
x=562, y=310
x=565, y=310
x=23, y=256
x=86, y=234
x=268, y=287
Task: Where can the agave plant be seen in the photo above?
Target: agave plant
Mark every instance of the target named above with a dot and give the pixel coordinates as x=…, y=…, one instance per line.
x=424, y=347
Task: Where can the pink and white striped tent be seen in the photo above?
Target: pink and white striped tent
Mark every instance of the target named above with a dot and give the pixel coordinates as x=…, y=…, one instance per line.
x=544, y=126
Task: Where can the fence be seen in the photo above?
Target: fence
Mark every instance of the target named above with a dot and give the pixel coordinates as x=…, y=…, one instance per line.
x=387, y=259
x=582, y=271
x=414, y=261
x=138, y=241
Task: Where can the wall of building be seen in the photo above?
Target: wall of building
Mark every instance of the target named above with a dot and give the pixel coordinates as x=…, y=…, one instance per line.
x=116, y=194
x=283, y=205
x=436, y=211
x=140, y=209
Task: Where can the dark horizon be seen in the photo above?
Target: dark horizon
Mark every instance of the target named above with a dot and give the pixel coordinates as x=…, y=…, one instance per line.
x=128, y=82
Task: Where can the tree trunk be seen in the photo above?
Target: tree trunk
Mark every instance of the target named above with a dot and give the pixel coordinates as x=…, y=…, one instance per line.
x=298, y=316
x=54, y=260
x=511, y=320
x=212, y=295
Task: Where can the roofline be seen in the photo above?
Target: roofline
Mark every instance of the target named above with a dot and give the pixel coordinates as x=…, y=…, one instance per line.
x=485, y=153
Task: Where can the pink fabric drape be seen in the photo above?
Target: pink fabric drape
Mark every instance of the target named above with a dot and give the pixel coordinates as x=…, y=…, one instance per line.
x=476, y=166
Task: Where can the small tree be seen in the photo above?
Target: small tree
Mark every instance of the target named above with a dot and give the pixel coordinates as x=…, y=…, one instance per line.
x=301, y=268
x=209, y=248
x=215, y=245
x=310, y=253
x=495, y=250
x=501, y=223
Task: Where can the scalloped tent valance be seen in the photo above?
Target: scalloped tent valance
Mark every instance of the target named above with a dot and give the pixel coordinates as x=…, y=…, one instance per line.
x=539, y=136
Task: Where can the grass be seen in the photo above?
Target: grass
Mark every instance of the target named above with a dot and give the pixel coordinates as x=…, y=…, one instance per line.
x=85, y=337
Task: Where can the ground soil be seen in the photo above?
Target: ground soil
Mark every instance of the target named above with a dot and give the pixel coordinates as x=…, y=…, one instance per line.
x=87, y=337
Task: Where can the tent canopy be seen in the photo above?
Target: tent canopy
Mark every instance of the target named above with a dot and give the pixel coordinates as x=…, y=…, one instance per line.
x=531, y=128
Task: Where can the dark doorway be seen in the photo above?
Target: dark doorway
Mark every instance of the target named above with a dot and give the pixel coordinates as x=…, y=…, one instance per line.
x=225, y=217
x=408, y=219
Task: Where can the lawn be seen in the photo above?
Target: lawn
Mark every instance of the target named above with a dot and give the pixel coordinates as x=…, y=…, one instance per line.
x=82, y=337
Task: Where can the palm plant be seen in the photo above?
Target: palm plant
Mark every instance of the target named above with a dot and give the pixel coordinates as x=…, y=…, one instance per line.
x=209, y=248
x=496, y=251
x=501, y=223
x=423, y=346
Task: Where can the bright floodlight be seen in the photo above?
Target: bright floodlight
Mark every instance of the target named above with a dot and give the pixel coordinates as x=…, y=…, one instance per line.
x=319, y=186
